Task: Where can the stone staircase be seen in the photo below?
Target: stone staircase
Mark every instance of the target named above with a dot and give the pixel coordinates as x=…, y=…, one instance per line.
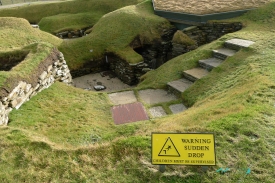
x=128, y=109
x=205, y=66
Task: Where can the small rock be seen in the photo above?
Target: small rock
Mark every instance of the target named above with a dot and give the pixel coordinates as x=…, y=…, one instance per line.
x=99, y=87
x=43, y=75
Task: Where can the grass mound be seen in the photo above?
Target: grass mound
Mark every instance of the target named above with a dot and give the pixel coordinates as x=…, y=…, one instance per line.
x=110, y=35
x=66, y=14
x=107, y=35
x=26, y=70
x=181, y=38
x=63, y=22
x=31, y=45
x=20, y=33
x=69, y=136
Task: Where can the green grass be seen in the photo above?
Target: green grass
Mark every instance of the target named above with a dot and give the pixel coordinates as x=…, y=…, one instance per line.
x=24, y=39
x=9, y=2
x=21, y=34
x=181, y=38
x=71, y=122
x=36, y=53
x=76, y=10
x=110, y=35
x=107, y=34
x=64, y=22
x=52, y=137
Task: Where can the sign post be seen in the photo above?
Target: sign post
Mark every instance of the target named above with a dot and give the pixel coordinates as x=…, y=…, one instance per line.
x=183, y=149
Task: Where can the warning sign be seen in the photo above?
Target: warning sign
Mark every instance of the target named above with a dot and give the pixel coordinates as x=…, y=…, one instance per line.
x=169, y=149
x=184, y=149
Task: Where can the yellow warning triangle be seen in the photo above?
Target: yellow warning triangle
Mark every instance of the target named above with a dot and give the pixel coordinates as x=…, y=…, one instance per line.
x=169, y=149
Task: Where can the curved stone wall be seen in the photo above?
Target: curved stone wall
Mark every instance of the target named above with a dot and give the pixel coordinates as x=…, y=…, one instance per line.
x=57, y=71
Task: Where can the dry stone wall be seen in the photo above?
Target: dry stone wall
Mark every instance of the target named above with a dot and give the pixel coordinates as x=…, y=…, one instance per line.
x=128, y=73
x=69, y=34
x=203, y=34
x=58, y=71
x=164, y=49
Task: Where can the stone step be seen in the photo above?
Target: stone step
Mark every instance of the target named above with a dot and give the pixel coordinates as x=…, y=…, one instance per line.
x=179, y=86
x=223, y=53
x=177, y=108
x=237, y=44
x=195, y=74
x=210, y=63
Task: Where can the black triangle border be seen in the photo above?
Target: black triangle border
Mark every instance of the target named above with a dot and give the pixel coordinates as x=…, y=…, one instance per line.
x=174, y=147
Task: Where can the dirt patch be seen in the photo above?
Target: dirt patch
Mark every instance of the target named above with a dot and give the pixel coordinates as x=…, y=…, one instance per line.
x=105, y=78
x=207, y=6
x=10, y=60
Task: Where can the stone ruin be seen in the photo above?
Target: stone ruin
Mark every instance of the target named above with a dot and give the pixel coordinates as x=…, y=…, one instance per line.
x=54, y=68
x=164, y=49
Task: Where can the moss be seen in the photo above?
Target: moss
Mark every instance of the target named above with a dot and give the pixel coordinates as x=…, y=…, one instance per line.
x=181, y=38
x=110, y=35
x=235, y=101
x=59, y=15
x=27, y=70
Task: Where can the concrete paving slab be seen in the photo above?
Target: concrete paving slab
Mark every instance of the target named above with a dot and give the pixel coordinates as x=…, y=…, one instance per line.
x=240, y=42
x=210, y=63
x=177, y=108
x=225, y=52
x=157, y=112
x=122, y=97
x=155, y=96
x=180, y=85
x=195, y=73
x=128, y=113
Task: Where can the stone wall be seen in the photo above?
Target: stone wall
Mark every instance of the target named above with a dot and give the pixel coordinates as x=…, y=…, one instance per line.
x=205, y=33
x=70, y=34
x=209, y=32
x=179, y=49
x=56, y=71
x=159, y=51
x=93, y=66
x=164, y=49
x=127, y=73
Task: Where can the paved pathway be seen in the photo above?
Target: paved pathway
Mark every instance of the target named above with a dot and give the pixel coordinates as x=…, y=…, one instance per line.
x=124, y=101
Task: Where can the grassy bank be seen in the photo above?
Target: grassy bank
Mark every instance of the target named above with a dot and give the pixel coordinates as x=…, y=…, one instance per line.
x=17, y=32
x=65, y=14
x=110, y=35
x=24, y=41
x=69, y=136
x=107, y=34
